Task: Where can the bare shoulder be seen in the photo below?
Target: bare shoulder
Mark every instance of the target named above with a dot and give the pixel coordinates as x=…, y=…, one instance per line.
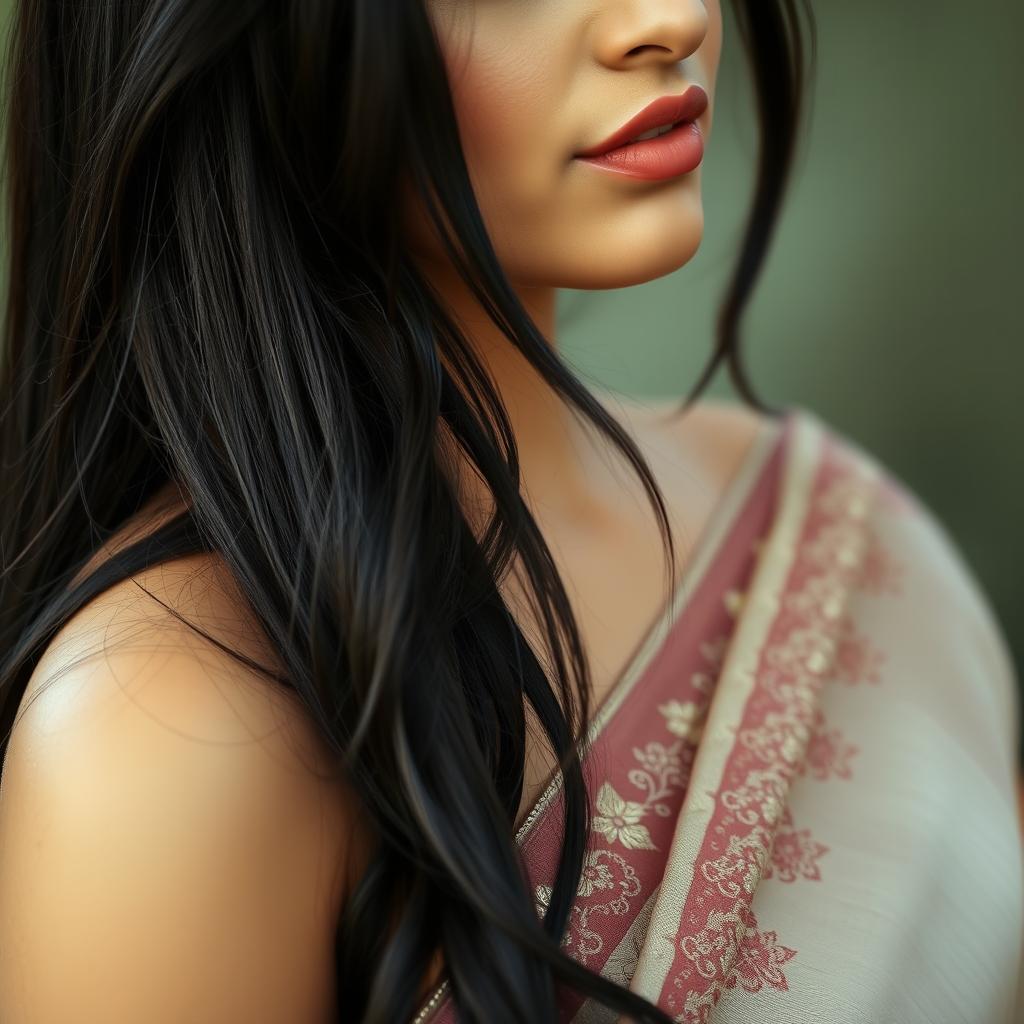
x=157, y=785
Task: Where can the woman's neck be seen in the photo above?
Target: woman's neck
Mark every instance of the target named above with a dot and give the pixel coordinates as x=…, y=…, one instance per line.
x=557, y=465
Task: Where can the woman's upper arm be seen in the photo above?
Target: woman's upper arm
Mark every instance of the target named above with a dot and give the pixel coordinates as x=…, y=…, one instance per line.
x=166, y=853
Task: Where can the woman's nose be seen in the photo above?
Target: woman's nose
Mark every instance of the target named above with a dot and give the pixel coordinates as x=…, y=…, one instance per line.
x=632, y=33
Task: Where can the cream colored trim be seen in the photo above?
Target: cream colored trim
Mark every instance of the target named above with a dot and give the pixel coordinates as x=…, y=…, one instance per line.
x=735, y=684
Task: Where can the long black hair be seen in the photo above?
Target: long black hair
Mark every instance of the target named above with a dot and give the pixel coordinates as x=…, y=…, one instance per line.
x=207, y=286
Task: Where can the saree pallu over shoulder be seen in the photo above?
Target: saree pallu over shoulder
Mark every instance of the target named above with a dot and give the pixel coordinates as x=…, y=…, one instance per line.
x=803, y=788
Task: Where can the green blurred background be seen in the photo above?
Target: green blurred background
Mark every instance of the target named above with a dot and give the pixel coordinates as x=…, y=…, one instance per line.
x=891, y=300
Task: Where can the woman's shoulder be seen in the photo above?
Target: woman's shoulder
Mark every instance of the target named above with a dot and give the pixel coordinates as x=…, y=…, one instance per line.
x=914, y=557
x=176, y=646
x=137, y=737
x=152, y=624
x=899, y=508
x=898, y=505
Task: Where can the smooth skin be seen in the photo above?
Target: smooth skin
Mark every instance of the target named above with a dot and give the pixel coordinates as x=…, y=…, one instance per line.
x=167, y=852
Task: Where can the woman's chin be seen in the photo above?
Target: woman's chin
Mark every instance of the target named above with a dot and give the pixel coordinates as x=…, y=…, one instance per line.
x=647, y=238
x=620, y=260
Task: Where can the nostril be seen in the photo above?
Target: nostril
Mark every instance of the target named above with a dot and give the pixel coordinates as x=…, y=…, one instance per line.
x=645, y=46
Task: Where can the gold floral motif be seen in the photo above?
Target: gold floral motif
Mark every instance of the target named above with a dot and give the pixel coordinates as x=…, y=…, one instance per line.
x=838, y=547
x=607, y=884
x=742, y=864
x=796, y=687
x=844, y=498
x=808, y=648
x=657, y=759
x=684, y=718
x=619, y=820
x=595, y=876
x=821, y=597
x=660, y=772
x=780, y=736
x=759, y=798
x=713, y=948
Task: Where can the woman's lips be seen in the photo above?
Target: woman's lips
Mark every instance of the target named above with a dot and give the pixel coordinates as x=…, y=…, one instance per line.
x=677, y=152
x=667, y=156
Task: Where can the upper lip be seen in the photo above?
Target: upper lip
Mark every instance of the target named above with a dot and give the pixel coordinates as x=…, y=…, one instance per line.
x=687, y=106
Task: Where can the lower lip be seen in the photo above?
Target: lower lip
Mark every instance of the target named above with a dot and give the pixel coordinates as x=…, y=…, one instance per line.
x=667, y=156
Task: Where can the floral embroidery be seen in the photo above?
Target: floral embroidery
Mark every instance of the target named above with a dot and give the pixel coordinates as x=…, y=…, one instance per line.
x=713, y=652
x=708, y=948
x=661, y=771
x=827, y=752
x=755, y=965
x=739, y=868
x=880, y=572
x=857, y=659
x=758, y=798
x=658, y=759
x=704, y=682
x=612, y=875
x=758, y=961
x=808, y=649
x=837, y=547
x=820, y=599
x=777, y=737
x=684, y=718
x=797, y=690
x=594, y=876
x=619, y=820
x=843, y=500
x=794, y=853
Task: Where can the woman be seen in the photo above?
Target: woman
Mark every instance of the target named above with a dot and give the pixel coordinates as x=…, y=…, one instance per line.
x=341, y=680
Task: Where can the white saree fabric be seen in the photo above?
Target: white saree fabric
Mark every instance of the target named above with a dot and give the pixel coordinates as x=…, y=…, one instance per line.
x=892, y=891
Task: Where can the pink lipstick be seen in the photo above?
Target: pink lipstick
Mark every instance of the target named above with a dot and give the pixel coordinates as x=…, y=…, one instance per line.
x=676, y=146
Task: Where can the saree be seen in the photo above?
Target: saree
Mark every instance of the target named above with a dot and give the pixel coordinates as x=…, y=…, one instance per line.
x=803, y=786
